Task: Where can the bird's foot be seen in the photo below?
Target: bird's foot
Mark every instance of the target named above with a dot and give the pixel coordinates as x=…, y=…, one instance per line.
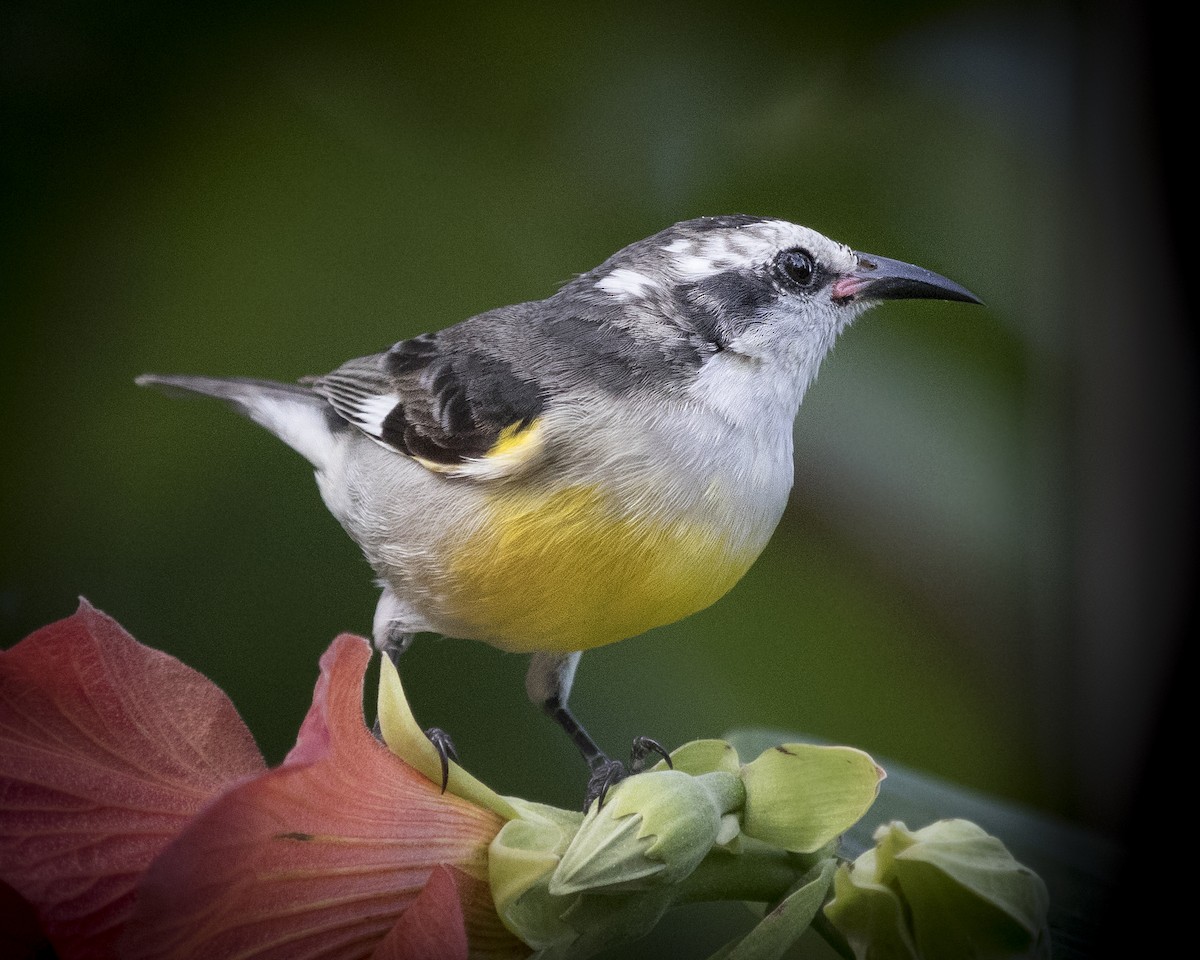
x=445, y=750
x=641, y=749
x=606, y=773
x=442, y=743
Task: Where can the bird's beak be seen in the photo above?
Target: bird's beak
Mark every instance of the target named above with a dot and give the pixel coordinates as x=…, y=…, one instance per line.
x=880, y=278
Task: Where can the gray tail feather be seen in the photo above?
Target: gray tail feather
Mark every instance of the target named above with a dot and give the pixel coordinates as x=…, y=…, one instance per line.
x=300, y=418
x=233, y=389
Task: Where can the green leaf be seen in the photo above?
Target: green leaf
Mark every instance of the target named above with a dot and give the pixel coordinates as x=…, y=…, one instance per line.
x=786, y=922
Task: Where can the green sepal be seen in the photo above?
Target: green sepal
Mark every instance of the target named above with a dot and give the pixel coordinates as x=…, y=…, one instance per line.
x=405, y=738
x=607, y=920
x=702, y=756
x=520, y=858
x=869, y=914
x=978, y=862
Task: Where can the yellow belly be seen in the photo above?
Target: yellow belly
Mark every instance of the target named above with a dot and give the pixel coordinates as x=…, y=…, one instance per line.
x=571, y=570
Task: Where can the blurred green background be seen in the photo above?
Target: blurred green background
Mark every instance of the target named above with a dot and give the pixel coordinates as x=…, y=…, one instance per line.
x=984, y=564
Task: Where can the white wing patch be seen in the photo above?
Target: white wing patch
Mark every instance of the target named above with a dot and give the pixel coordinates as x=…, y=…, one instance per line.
x=368, y=413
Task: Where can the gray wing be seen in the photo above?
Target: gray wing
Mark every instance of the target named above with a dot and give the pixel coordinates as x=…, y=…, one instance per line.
x=448, y=398
x=434, y=398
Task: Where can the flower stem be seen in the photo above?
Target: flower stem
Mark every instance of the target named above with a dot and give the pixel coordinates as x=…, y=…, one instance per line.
x=756, y=872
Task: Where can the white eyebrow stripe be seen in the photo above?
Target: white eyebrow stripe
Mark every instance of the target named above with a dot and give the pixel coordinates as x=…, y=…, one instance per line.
x=626, y=284
x=694, y=267
x=699, y=257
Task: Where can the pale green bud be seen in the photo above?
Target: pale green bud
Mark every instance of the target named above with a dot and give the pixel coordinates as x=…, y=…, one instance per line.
x=703, y=756
x=946, y=892
x=800, y=796
x=653, y=829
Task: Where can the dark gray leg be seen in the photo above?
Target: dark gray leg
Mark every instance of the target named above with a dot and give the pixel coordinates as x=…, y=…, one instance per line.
x=548, y=684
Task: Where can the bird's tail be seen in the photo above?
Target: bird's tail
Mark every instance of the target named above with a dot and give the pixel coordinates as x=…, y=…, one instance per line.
x=297, y=416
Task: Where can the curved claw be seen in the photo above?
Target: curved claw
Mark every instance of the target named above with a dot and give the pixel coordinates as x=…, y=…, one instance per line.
x=643, y=747
x=445, y=750
x=605, y=775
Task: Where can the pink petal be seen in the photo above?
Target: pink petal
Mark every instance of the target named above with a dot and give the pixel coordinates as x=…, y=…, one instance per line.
x=107, y=748
x=317, y=858
x=487, y=936
x=431, y=928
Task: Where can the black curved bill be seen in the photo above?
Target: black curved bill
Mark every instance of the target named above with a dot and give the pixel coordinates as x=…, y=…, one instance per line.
x=881, y=278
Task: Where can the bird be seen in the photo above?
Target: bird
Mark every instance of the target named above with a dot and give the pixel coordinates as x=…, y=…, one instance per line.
x=557, y=475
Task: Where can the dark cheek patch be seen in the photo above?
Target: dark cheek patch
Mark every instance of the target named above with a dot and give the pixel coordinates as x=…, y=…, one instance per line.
x=719, y=308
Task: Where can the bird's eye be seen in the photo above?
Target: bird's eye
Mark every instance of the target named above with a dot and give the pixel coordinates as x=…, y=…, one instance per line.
x=797, y=265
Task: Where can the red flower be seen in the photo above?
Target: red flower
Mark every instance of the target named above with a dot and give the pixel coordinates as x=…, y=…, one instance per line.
x=138, y=819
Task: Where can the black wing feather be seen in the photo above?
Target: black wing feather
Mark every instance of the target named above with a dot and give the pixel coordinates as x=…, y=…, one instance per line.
x=433, y=397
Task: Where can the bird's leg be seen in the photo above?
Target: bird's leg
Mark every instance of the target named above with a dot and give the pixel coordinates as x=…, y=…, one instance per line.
x=392, y=639
x=548, y=684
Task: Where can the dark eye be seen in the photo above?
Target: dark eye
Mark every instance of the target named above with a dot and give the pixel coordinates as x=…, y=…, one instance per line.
x=797, y=265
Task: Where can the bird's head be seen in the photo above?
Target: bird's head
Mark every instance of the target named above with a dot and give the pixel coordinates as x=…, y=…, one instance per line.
x=753, y=289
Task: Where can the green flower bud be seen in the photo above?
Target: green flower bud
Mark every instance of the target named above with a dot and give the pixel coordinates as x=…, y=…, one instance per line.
x=944, y=892
x=653, y=829
x=800, y=796
x=702, y=756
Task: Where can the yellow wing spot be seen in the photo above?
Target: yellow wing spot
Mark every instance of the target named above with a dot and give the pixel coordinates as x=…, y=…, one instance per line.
x=516, y=447
x=513, y=437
